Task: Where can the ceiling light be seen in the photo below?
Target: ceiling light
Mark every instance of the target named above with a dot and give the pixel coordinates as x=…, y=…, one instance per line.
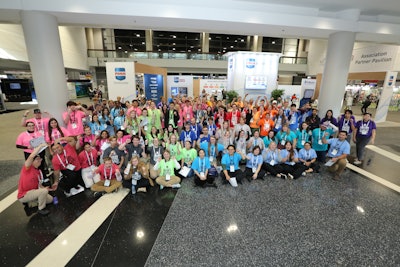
x=273, y=42
x=143, y=43
x=231, y=46
x=137, y=35
x=119, y=47
x=173, y=48
x=126, y=52
x=209, y=38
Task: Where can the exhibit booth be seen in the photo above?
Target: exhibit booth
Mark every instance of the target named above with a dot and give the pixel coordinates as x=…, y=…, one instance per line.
x=131, y=79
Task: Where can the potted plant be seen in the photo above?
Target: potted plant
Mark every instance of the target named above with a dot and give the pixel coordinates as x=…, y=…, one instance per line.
x=276, y=93
x=231, y=95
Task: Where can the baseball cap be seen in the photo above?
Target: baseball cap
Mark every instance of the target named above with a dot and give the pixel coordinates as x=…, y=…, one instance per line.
x=37, y=111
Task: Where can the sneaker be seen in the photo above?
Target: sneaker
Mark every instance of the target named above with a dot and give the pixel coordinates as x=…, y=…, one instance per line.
x=142, y=189
x=76, y=190
x=357, y=162
x=28, y=211
x=283, y=176
x=98, y=194
x=290, y=176
x=161, y=187
x=176, y=186
x=68, y=194
x=336, y=177
x=304, y=174
x=44, y=212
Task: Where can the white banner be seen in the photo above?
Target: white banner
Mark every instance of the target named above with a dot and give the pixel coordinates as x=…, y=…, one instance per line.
x=254, y=73
x=213, y=87
x=307, y=84
x=121, y=80
x=386, y=96
x=179, y=84
x=374, y=58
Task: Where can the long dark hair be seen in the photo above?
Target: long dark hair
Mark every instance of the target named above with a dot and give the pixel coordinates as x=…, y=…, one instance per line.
x=50, y=130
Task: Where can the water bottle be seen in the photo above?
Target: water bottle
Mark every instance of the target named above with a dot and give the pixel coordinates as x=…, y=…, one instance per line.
x=133, y=189
x=55, y=200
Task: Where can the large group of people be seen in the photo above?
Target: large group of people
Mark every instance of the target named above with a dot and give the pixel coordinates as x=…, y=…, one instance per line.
x=112, y=144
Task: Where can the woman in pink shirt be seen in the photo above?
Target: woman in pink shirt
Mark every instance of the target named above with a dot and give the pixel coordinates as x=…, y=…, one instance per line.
x=55, y=131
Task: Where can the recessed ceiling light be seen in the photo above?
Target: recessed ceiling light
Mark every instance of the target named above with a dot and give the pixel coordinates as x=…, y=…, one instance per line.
x=137, y=35
x=119, y=47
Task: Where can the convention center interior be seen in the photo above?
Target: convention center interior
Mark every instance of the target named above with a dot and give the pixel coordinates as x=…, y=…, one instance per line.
x=211, y=133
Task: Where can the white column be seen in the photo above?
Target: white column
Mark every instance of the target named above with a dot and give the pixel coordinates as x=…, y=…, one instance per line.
x=386, y=96
x=334, y=78
x=45, y=58
x=149, y=40
x=205, y=42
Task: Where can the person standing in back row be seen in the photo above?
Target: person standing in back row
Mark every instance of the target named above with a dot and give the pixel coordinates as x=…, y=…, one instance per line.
x=364, y=133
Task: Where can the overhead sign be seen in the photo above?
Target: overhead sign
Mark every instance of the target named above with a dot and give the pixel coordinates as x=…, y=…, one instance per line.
x=374, y=58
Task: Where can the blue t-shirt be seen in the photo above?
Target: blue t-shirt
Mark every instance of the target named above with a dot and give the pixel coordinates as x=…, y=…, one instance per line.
x=294, y=121
x=204, y=146
x=317, y=135
x=229, y=160
x=285, y=153
x=201, y=165
x=267, y=140
x=254, y=161
x=307, y=154
x=283, y=137
x=191, y=136
x=302, y=137
x=340, y=147
x=270, y=156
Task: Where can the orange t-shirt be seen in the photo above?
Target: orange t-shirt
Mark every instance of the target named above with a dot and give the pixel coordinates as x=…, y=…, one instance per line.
x=265, y=126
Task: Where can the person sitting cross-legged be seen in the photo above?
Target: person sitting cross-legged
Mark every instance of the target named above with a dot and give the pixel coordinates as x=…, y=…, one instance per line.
x=110, y=177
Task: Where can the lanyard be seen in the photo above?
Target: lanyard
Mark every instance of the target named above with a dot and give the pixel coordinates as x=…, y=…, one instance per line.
x=254, y=161
x=365, y=125
x=320, y=133
x=72, y=117
x=187, y=135
x=105, y=173
x=202, y=165
x=66, y=160
x=154, y=151
x=41, y=128
x=338, y=146
x=55, y=133
x=33, y=135
x=303, y=135
x=307, y=154
x=90, y=160
x=231, y=158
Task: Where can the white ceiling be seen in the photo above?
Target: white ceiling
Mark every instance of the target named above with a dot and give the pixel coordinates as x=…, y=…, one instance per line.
x=372, y=20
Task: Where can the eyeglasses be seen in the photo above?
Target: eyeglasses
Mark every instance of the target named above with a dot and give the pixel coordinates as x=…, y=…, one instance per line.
x=30, y=125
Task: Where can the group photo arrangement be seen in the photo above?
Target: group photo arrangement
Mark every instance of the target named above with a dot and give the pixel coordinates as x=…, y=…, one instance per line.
x=138, y=144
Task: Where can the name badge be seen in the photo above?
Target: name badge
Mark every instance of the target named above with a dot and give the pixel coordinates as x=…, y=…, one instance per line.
x=319, y=142
x=202, y=174
x=145, y=128
x=346, y=128
x=134, y=182
x=303, y=142
x=254, y=169
x=74, y=126
x=283, y=142
x=211, y=158
x=41, y=132
x=92, y=168
x=334, y=152
x=70, y=167
x=107, y=183
x=272, y=162
x=232, y=168
x=167, y=177
x=364, y=130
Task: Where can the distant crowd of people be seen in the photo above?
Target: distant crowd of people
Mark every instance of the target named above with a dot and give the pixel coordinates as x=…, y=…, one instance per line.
x=114, y=143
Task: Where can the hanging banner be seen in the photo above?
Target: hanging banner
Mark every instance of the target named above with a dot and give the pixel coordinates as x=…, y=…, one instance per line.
x=154, y=87
x=121, y=80
x=386, y=96
x=374, y=58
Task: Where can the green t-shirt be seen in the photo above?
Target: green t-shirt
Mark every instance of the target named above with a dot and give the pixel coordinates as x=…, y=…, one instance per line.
x=175, y=150
x=155, y=117
x=167, y=167
x=188, y=155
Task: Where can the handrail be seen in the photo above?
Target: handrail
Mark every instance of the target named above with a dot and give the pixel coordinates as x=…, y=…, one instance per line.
x=99, y=53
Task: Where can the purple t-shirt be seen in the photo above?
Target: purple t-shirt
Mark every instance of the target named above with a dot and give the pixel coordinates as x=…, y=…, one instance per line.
x=364, y=128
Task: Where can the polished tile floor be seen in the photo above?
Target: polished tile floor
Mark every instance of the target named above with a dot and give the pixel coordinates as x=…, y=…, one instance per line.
x=312, y=221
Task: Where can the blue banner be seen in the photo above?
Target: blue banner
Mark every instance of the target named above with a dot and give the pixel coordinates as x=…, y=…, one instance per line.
x=154, y=87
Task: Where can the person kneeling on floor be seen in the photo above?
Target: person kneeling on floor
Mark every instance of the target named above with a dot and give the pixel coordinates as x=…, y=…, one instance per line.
x=30, y=184
x=167, y=168
x=337, y=154
x=110, y=177
x=137, y=176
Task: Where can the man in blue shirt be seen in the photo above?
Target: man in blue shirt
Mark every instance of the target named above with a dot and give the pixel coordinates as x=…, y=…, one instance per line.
x=188, y=135
x=337, y=153
x=230, y=165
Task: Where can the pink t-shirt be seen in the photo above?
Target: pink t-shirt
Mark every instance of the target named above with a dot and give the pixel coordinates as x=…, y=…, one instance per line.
x=24, y=139
x=55, y=134
x=75, y=124
x=41, y=125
